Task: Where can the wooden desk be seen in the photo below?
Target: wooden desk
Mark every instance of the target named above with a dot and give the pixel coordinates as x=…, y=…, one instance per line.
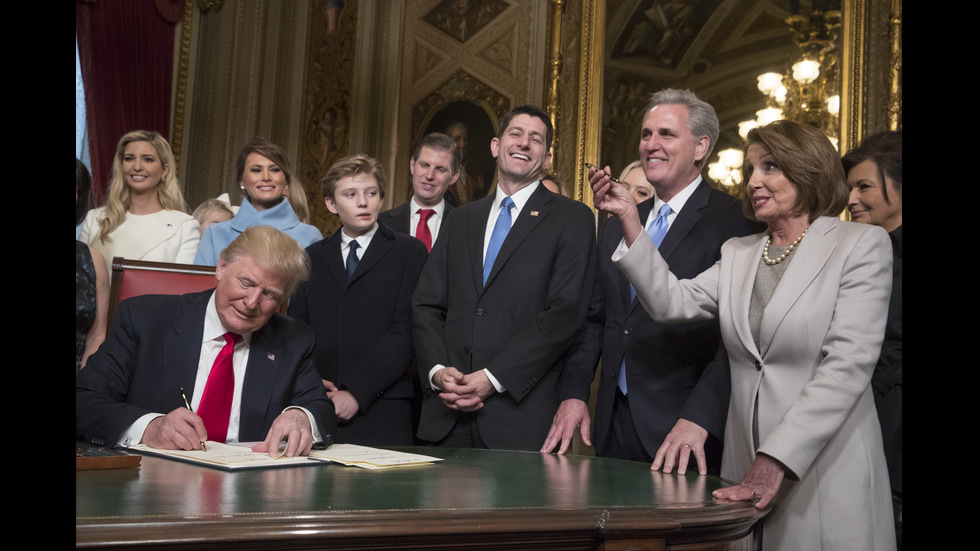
x=475, y=499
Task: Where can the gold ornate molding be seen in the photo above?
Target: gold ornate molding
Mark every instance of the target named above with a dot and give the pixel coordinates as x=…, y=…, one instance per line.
x=180, y=89
x=552, y=104
x=589, y=94
x=206, y=5
x=895, y=67
x=852, y=68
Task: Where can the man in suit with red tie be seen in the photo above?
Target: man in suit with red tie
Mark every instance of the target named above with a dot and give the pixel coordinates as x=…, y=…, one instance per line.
x=245, y=370
x=502, y=296
x=435, y=166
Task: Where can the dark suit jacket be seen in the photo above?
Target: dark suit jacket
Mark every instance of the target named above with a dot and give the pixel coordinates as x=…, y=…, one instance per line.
x=518, y=326
x=153, y=350
x=673, y=370
x=400, y=217
x=363, y=330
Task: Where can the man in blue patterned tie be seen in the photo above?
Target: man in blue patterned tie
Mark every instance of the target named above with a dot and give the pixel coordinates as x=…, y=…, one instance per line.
x=503, y=295
x=663, y=390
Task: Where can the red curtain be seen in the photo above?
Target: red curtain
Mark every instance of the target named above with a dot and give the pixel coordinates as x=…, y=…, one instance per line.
x=126, y=49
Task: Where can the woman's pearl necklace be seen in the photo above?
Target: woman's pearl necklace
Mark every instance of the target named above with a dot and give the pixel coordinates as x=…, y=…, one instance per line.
x=782, y=257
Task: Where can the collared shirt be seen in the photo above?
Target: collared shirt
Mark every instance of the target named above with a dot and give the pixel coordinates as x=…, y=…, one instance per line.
x=434, y=222
x=520, y=199
x=676, y=203
x=212, y=343
x=362, y=243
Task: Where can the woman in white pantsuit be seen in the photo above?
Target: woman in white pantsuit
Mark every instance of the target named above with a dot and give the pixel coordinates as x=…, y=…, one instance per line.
x=802, y=311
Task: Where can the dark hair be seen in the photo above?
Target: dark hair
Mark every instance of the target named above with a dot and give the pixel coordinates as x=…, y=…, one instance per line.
x=349, y=166
x=267, y=149
x=83, y=191
x=440, y=142
x=808, y=160
x=885, y=149
x=531, y=110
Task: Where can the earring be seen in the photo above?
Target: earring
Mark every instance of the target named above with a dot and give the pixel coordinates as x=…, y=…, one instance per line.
x=242, y=188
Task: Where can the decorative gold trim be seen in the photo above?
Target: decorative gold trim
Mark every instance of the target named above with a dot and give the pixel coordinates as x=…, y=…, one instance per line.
x=553, y=104
x=852, y=86
x=895, y=67
x=589, y=93
x=180, y=90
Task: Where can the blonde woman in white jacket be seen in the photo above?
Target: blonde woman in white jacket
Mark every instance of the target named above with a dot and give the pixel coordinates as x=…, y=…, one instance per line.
x=145, y=216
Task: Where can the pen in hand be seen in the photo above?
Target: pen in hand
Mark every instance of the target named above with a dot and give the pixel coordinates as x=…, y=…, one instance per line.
x=186, y=403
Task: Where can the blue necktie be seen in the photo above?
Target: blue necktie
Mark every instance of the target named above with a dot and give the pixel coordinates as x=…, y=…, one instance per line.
x=352, y=259
x=498, y=235
x=656, y=231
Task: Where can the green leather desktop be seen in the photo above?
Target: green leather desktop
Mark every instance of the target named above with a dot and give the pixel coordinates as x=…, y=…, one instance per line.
x=473, y=499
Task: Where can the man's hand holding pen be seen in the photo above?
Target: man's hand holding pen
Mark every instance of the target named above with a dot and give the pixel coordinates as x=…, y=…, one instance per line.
x=181, y=429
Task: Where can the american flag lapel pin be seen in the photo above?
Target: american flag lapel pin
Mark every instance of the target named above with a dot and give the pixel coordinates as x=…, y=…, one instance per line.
x=272, y=356
x=534, y=213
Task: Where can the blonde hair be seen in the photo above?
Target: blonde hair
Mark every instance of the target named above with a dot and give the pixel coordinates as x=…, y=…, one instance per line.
x=274, y=252
x=629, y=168
x=168, y=190
x=207, y=207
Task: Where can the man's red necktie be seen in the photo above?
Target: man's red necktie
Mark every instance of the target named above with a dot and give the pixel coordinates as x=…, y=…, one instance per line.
x=215, y=407
x=422, y=230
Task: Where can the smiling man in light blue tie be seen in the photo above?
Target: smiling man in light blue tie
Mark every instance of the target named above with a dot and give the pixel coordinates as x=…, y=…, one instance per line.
x=663, y=390
x=500, y=300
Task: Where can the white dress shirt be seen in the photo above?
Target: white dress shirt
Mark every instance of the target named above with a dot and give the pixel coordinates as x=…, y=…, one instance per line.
x=362, y=243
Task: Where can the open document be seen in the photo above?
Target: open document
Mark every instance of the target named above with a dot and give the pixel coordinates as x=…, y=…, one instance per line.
x=227, y=456
x=234, y=457
x=371, y=458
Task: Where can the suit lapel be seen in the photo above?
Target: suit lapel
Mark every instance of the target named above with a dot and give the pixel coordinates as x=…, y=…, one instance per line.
x=404, y=218
x=685, y=220
x=745, y=260
x=265, y=357
x=334, y=259
x=808, y=259
x=534, y=211
x=379, y=247
x=182, y=351
x=476, y=229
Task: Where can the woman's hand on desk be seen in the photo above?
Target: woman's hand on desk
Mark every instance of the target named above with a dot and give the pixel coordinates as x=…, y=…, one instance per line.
x=762, y=481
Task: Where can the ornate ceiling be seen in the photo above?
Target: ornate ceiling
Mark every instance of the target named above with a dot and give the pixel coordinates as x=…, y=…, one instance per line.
x=714, y=47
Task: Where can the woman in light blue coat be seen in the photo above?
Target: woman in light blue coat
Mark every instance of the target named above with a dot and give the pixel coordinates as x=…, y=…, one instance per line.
x=263, y=175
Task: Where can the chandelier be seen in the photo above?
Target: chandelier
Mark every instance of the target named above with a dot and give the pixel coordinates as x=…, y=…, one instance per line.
x=808, y=91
